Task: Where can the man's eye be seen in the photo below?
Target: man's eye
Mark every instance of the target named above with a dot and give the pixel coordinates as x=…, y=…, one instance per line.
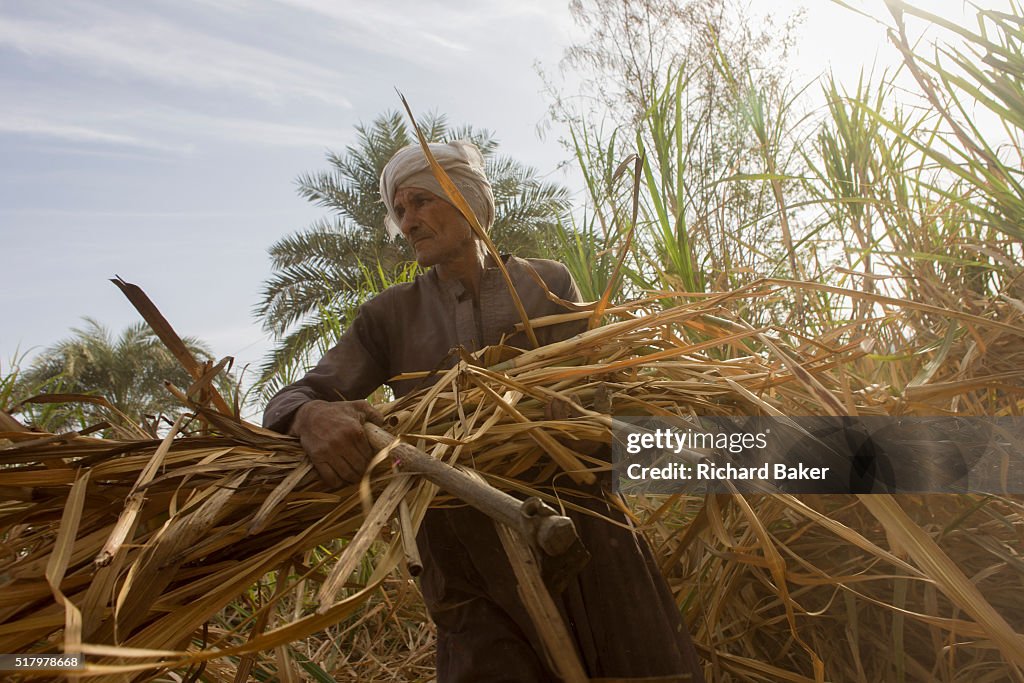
x=415, y=202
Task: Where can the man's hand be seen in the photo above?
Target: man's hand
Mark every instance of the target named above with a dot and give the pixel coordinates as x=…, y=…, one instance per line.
x=331, y=433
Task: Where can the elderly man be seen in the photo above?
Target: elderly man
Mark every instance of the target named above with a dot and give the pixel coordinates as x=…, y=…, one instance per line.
x=618, y=609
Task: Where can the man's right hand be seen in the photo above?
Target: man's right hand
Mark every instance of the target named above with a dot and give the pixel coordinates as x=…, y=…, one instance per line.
x=331, y=433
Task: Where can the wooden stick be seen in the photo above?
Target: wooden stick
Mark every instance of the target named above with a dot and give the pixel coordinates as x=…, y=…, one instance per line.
x=554, y=636
x=536, y=521
x=520, y=524
x=413, y=562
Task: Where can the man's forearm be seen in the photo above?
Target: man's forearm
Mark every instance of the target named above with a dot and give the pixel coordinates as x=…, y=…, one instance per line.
x=281, y=409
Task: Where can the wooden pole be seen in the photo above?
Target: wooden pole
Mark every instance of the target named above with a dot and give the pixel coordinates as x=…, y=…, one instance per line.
x=520, y=525
x=537, y=522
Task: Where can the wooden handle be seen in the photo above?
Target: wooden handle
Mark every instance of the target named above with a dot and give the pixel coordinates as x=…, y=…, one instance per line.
x=535, y=520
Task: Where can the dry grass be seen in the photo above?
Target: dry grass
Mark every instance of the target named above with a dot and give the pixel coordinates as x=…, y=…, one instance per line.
x=161, y=555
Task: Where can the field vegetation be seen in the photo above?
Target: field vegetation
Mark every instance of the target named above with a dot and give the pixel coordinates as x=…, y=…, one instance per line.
x=751, y=246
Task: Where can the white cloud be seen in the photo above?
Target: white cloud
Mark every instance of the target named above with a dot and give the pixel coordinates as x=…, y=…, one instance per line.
x=413, y=31
x=79, y=133
x=251, y=131
x=156, y=128
x=382, y=28
x=156, y=50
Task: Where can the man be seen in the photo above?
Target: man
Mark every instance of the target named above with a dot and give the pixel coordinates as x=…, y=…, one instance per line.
x=618, y=609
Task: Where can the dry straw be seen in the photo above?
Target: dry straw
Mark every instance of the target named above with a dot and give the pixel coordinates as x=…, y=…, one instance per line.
x=130, y=549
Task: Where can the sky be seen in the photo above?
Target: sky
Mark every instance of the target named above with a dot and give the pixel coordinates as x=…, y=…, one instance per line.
x=160, y=141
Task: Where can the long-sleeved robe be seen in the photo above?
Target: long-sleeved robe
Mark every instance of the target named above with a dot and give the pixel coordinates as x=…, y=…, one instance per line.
x=618, y=608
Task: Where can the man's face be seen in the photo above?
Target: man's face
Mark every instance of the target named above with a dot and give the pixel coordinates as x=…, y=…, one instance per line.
x=437, y=231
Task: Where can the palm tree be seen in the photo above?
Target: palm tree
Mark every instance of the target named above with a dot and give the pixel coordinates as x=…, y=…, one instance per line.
x=321, y=274
x=129, y=372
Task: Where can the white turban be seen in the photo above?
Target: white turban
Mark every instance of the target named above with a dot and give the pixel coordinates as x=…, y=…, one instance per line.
x=464, y=165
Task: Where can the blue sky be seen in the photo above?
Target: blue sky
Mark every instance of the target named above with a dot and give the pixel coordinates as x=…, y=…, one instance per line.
x=160, y=140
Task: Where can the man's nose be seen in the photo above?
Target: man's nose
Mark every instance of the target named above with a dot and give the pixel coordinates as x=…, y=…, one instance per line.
x=407, y=223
